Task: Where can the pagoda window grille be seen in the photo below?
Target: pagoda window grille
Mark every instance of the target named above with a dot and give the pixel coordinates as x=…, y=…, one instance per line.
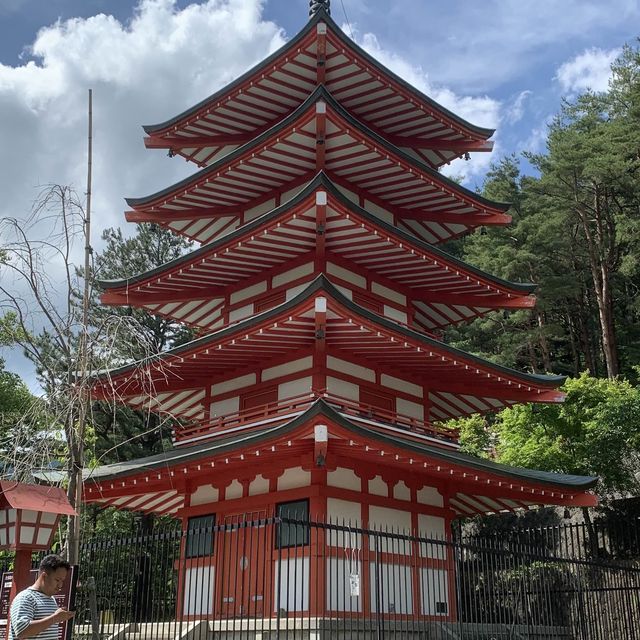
x=292, y=534
x=199, y=542
x=257, y=399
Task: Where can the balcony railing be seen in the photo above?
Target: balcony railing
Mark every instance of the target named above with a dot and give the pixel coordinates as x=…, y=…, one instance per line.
x=274, y=413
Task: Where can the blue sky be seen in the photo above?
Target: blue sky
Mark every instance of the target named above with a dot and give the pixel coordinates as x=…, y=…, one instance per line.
x=499, y=63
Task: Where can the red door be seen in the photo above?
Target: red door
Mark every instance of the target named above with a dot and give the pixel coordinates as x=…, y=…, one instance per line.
x=243, y=581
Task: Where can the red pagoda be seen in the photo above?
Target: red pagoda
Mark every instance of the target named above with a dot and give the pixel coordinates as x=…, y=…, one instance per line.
x=318, y=380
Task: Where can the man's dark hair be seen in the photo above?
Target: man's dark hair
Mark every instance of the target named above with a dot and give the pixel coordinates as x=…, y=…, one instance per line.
x=52, y=563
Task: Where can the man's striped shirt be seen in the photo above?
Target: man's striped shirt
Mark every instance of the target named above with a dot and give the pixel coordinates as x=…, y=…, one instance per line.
x=29, y=606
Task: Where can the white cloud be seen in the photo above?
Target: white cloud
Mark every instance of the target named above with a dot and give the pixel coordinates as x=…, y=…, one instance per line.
x=163, y=61
x=479, y=110
x=514, y=111
x=589, y=70
x=142, y=72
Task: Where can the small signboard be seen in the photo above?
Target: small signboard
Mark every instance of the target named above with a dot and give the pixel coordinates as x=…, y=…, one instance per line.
x=66, y=598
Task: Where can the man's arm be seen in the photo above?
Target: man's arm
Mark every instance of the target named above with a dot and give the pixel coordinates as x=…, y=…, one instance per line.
x=38, y=626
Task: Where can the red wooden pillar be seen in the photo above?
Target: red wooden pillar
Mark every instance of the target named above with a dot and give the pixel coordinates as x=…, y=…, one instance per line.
x=318, y=544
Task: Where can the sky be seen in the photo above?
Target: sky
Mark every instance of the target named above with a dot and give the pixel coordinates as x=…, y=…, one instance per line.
x=505, y=64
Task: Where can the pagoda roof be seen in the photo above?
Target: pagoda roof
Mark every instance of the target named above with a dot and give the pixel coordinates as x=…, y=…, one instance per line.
x=481, y=485
x=459, y=383
x=318, y=55
x=446, y=290
x=318, y=135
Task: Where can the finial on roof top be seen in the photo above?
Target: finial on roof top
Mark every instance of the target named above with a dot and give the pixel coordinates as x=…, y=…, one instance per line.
x=316, y=5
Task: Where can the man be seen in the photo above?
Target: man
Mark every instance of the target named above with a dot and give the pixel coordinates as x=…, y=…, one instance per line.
x=34, y=611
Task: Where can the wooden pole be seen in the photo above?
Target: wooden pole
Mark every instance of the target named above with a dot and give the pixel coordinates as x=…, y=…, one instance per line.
x=77, y=447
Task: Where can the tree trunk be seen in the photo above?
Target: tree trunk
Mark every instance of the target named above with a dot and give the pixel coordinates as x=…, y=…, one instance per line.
x=544, y=344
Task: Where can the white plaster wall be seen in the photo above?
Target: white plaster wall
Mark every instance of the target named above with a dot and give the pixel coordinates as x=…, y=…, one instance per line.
x=233, y=491
x=344, y=478
x=241, y=313
x=430, y=495
x=223, y=407
x=401, y=491
x=390, y=294
x=378, y=487
x=355, y=370
x=198, y=591
x=396, y=589
x=433, y=528
x=401, y=385
x=339, y=596
x=286, y=368
x=293, y=583
x=243, y=294
x=294, y=478
x=344, y=513
x=343, y=389
x=294, y=388
x=434, y=589
x=235, y=383
x=384, y=519
x=258, y=486
x=204, y=494
x=395, y=314
x=346, y=275
x=411, y=409
x=293, y=274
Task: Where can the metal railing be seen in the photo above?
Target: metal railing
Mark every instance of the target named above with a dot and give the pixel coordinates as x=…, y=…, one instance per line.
x=250, y=576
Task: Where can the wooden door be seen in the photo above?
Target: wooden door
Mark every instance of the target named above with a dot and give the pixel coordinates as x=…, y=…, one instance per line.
x=244, y=548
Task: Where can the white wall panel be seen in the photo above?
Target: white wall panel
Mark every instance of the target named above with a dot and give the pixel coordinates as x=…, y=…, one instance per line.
x=384, y=519
x=294, y=388
x=430, y=495
x=344, y=479
x=401, y=385
x=411, y=409
x=355, y=370
x=339, y=596
x=347, y=276
x=249, y=292
x=434, y=595
x=292, y=578
x=204, y=494
x=235, y=383
x=378, y=487
x=343, y=389
x=395, y=314
x=224, y=407
x=258, y=486
x=292, y=274
x=198, y=591
x=396, y=589
x=241, y=313
x=294, y=478
x=287, y=368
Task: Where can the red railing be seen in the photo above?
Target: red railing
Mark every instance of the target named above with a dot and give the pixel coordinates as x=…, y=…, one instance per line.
x=274, y=413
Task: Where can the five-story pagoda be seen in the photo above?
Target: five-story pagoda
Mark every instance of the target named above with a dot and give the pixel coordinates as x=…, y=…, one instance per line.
x=318, y=380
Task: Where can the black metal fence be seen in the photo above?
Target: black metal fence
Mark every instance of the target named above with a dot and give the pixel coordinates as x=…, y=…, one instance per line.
x=249, y=577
